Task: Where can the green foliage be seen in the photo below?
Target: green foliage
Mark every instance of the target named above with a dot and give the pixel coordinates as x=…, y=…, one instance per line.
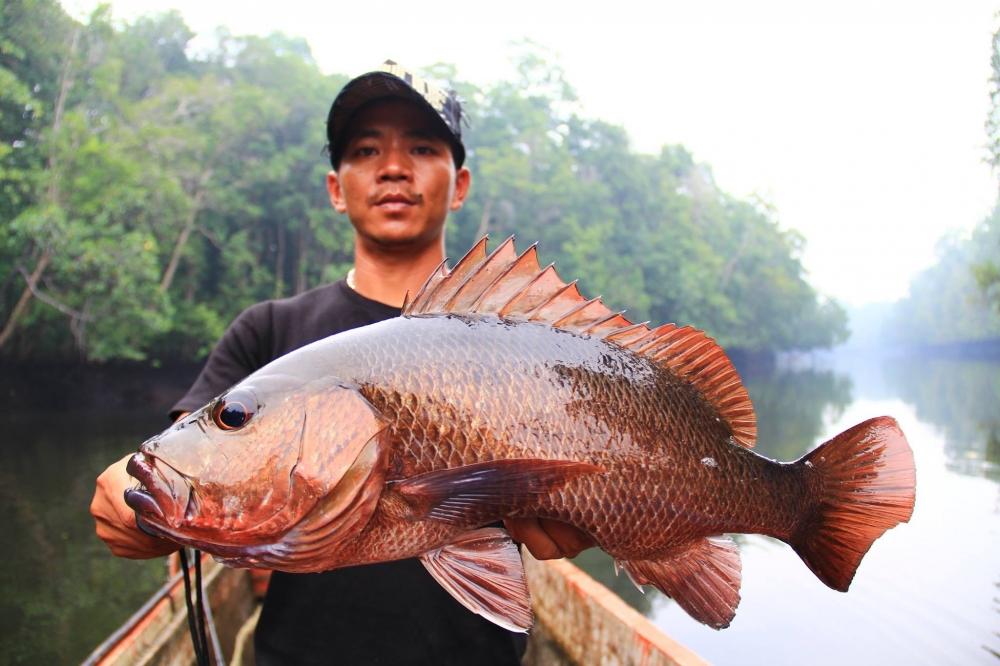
x=945, y=304
x=165, y=193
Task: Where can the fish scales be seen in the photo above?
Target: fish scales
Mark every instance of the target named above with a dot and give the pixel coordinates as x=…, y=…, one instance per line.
x=465, y=390
x=502, y=393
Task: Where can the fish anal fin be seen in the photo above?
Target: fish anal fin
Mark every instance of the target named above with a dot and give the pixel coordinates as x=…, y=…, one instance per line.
x=482, y=570
x=703, y=578
x=470, y=494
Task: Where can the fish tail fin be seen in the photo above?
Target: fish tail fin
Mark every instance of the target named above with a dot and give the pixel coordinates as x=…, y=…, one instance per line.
x=864, y=483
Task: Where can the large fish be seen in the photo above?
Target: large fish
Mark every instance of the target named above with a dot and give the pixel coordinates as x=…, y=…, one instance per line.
x=501, y=392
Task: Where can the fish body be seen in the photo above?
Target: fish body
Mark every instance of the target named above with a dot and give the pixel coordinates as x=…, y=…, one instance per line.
x=498, y=394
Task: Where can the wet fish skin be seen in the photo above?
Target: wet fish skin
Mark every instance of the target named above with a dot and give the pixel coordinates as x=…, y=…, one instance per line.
x=400, y=439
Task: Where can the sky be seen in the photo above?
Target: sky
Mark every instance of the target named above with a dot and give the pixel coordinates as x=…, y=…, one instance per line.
x=860, y=122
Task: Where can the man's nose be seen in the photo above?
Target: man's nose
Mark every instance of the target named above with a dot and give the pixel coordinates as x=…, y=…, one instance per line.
x=395, y=165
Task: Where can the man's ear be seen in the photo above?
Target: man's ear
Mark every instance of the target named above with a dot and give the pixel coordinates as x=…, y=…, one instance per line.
x=463, y=179
x=336, y=193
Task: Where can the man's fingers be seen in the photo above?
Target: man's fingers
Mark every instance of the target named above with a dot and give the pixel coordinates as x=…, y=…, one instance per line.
x=531, y=534
x=115, y=520
x=548, y=539
x=567, y=538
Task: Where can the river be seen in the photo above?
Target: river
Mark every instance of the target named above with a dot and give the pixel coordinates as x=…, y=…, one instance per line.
x=927, y=593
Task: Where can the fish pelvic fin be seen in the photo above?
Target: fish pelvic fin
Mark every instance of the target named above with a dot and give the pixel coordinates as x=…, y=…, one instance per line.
x=482, y=570
x=515, y=286
x=481, y=492
x=864, y=482
x=703, y=577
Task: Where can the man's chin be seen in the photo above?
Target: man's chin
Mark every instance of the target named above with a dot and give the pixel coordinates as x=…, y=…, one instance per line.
x=402, y=236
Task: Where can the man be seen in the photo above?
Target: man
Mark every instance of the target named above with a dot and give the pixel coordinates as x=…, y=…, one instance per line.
x=396, y=149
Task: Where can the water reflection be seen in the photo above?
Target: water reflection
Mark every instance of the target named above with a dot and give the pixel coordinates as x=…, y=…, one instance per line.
x=962, y=398
x=791, y=407
x=61, y=591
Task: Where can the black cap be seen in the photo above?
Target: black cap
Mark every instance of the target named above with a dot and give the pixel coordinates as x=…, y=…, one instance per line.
x=394, y=81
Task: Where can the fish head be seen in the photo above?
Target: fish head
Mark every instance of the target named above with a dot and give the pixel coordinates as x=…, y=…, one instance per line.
x=253, y=463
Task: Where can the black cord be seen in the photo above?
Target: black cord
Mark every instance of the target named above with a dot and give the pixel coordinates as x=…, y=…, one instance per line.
x=197, y=636
x=200, y=604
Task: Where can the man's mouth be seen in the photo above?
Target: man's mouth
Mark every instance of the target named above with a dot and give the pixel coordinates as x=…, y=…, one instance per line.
x=397, y=200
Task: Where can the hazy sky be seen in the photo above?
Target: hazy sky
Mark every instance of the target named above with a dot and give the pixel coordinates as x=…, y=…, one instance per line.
x=860, y=121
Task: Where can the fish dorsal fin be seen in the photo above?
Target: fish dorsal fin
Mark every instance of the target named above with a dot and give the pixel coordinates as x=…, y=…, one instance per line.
x=516, y=287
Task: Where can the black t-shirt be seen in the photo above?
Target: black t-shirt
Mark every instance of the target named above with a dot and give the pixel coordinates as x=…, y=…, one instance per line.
x=388, y=613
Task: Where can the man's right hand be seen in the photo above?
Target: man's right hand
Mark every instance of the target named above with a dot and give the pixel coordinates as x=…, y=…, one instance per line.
x=116, y=521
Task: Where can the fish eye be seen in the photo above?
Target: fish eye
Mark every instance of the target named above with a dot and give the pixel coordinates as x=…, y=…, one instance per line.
x=234, y=410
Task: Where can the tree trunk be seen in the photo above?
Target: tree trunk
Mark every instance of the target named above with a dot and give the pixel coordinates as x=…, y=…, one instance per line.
x=182, y=239
x=22, y=302
x=51, y=195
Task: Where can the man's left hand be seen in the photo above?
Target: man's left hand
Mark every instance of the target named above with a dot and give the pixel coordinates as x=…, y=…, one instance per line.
x=548, y=539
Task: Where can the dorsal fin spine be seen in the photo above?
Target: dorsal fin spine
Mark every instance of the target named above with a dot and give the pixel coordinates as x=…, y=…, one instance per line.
x=505, y=284
x=427, y=282
x=625, y=330
x=472, y=250
x=499, y=278
x=600, y=321
x=569, y=315
x=534, y=311
x=532, y=281
x=473, y=274
x=656, y=337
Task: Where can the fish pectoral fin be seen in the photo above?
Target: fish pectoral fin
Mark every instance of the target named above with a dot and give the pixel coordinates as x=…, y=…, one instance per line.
x=702, y=577
x=482, y=569
x=472, y=494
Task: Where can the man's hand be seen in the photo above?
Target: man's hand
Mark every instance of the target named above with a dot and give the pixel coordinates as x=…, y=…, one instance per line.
x=116, y=521
x=548, y=539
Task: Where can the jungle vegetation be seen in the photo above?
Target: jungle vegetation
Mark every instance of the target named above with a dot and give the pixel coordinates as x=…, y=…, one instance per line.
x=147, y=195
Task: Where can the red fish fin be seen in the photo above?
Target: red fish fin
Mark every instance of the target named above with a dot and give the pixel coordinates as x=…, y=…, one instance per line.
x=516, y=287
x=703, y=578
x=692, y=356
x=470, y=494
x=482, y=569
x=865, y=484
x=442, y=283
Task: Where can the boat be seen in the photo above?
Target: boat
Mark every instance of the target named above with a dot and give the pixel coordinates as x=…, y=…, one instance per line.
x=577, y=621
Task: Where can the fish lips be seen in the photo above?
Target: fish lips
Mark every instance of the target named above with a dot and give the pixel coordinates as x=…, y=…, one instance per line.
x=164, y=495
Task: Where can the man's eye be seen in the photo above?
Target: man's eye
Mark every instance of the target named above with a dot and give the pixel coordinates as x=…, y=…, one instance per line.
x=424, y=150
x=365, y=151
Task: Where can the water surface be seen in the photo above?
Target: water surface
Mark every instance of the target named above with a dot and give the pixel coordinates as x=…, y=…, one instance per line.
x=926, y=593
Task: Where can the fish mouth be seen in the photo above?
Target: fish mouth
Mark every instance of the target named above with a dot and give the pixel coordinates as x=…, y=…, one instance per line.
x=163, y=495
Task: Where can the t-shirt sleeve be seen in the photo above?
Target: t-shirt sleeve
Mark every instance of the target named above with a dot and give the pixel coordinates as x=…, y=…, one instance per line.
x=242, y=349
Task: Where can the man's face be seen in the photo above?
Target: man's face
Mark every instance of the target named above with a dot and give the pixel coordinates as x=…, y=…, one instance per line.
x=397, y=180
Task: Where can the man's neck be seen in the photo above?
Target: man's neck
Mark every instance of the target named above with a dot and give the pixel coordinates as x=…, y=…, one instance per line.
x=387, y=274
